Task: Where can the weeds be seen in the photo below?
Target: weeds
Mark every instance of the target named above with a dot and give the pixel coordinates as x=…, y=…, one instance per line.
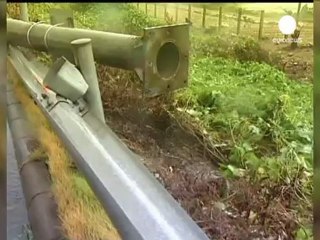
x=81, y=213
x=250, y=105
x=262, y=118
x=243, y=49
x=258, y=119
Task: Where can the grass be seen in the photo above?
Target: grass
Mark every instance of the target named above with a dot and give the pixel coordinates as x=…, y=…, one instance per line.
x=81, y=214
x=255, y=109
x=229, y=19
x=255, y=114
x=262, y=118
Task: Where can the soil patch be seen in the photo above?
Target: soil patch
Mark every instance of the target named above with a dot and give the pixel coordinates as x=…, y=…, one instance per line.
x=296, y=63
x=224, y=209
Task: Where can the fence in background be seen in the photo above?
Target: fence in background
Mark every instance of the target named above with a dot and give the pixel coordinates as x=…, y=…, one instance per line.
x=240, y=22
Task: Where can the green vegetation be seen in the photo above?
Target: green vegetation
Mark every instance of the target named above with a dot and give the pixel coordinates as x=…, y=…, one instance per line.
x=239, y=101
x=273, y=11
x=244, y=106
x=264, y=118
x=80, y=212
x=243, y=49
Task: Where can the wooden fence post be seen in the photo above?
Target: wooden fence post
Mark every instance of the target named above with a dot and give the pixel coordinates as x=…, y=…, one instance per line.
x=138, y=5
x=165, y=11
x=239, y=21
x=261, y=25
x=155, y=10
x=189, y=12
x=177, y=12
x=204, y=13
x=298, y=13
x=220, y=18
x=146, y=8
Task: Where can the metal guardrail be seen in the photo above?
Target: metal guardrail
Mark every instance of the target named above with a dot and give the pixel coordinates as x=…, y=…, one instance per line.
x=35, y=177
x=138, y=205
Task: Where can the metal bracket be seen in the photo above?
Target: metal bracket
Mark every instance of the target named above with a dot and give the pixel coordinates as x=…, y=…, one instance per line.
x=46, y=34
x=66, y=80
x=29, y=30
x=50, y=101
x=166, y=58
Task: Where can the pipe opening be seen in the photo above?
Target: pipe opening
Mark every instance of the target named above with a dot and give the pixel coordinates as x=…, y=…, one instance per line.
x=168, y=60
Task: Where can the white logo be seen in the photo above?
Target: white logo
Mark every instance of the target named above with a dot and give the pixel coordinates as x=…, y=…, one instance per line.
x=287, y=25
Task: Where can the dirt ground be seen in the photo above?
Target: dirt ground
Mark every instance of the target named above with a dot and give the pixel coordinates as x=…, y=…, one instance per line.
x=297, y=63
x=224, y=209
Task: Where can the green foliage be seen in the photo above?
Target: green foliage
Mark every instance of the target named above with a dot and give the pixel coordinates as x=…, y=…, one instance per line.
x=244, y=49
x=85, y=20
x=82, y=188
x=264, y=118
x=248, y=49
x=13, y=10
x=83, y=7
x=39, y=11
x=304, y=234
x=116, y=17
x=215, y=46
x=134, y=20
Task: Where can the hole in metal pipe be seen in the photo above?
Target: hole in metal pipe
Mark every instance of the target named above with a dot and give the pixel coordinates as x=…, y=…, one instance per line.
x=168, y=60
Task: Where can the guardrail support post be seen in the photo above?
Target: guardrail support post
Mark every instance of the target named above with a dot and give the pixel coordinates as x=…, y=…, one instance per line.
x=24, y=12
x=83, y=55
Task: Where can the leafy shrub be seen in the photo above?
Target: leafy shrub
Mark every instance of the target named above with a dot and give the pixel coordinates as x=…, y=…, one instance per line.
x=244, y=49
x=248, y=49
x=39, y=11
x=134, y=20
x=13, y=10
x=83, y=7
x=214, y=46
x=265, y=118
x=118, y=17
